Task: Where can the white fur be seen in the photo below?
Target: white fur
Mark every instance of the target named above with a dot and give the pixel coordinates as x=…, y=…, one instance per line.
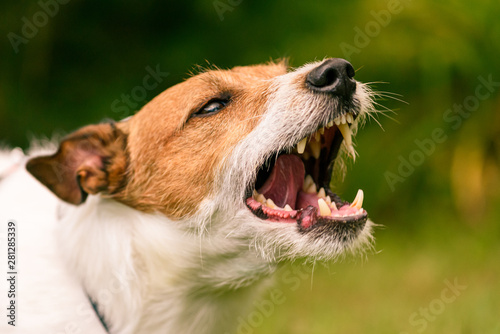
x=49, y=298
x=150, y=274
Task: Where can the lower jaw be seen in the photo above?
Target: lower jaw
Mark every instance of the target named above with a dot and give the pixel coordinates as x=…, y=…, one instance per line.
x=310, y=216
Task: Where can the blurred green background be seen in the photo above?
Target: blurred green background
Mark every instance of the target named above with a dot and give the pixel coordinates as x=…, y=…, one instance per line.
x=439, y=203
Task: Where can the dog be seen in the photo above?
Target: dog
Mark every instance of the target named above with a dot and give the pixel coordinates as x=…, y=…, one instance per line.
x=174, y=219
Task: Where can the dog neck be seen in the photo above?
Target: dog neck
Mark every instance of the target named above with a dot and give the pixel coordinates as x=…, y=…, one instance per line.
x=145, y=272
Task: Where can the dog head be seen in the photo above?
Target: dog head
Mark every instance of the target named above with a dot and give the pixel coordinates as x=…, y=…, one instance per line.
x=247, y=153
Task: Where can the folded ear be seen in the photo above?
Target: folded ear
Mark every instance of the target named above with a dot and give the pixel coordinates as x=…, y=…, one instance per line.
x=90, y=160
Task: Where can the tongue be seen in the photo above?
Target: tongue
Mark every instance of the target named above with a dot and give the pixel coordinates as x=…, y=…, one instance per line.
x=285, y=181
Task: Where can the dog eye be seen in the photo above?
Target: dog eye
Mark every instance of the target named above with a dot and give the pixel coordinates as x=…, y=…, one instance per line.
x=211, y=107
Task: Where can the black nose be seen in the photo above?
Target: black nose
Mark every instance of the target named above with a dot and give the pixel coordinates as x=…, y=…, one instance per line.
x=334, y=75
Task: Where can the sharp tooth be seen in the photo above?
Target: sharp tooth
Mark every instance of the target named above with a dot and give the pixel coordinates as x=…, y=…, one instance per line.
x=321, y=193
x=288, y=208
x=271, y=204
x=324, y=210
x=334, y=206
x=349, y=118
x=317, y=136
x=261, y=198
x=337, y=121
x=347, y=134
x=302, y=145
x=322, y=131
x=358, y=201
x=315, y=148
x=307, y=182
x=329, y=125
x=328, y=200
x=312, y=189
x=255, y=194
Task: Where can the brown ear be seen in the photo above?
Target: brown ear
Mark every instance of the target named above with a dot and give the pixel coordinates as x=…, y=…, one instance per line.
x=90, y=160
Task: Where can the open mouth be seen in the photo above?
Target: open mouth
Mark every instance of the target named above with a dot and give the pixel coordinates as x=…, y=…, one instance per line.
x=294, y=186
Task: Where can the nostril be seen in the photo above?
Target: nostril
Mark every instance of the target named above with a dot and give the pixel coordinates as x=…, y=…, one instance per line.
x=330, y=76
x=349, y=70
x=333, y=76
x=322, y=77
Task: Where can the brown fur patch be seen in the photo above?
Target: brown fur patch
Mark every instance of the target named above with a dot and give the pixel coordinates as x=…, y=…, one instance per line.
x=90, y=160
x=162, y=159
x=174, y=157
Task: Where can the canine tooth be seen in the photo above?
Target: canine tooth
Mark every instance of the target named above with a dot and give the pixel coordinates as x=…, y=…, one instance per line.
x=329, y=125
x=324, y=210
x=302, y=145
x=271, y=204
x=358, y=201
x=347, y=134
x=322, y=130
x=307, y=182
x=312, y=189
x=261, y=198
x=321, y=193
x=315, y=148
x=288, y=208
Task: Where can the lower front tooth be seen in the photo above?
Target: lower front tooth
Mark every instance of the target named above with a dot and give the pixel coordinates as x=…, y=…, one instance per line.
x=271, y=204
x=328, y=200
x=324, y=210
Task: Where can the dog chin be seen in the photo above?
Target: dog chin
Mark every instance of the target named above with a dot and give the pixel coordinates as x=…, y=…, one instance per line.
x=275, y=242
